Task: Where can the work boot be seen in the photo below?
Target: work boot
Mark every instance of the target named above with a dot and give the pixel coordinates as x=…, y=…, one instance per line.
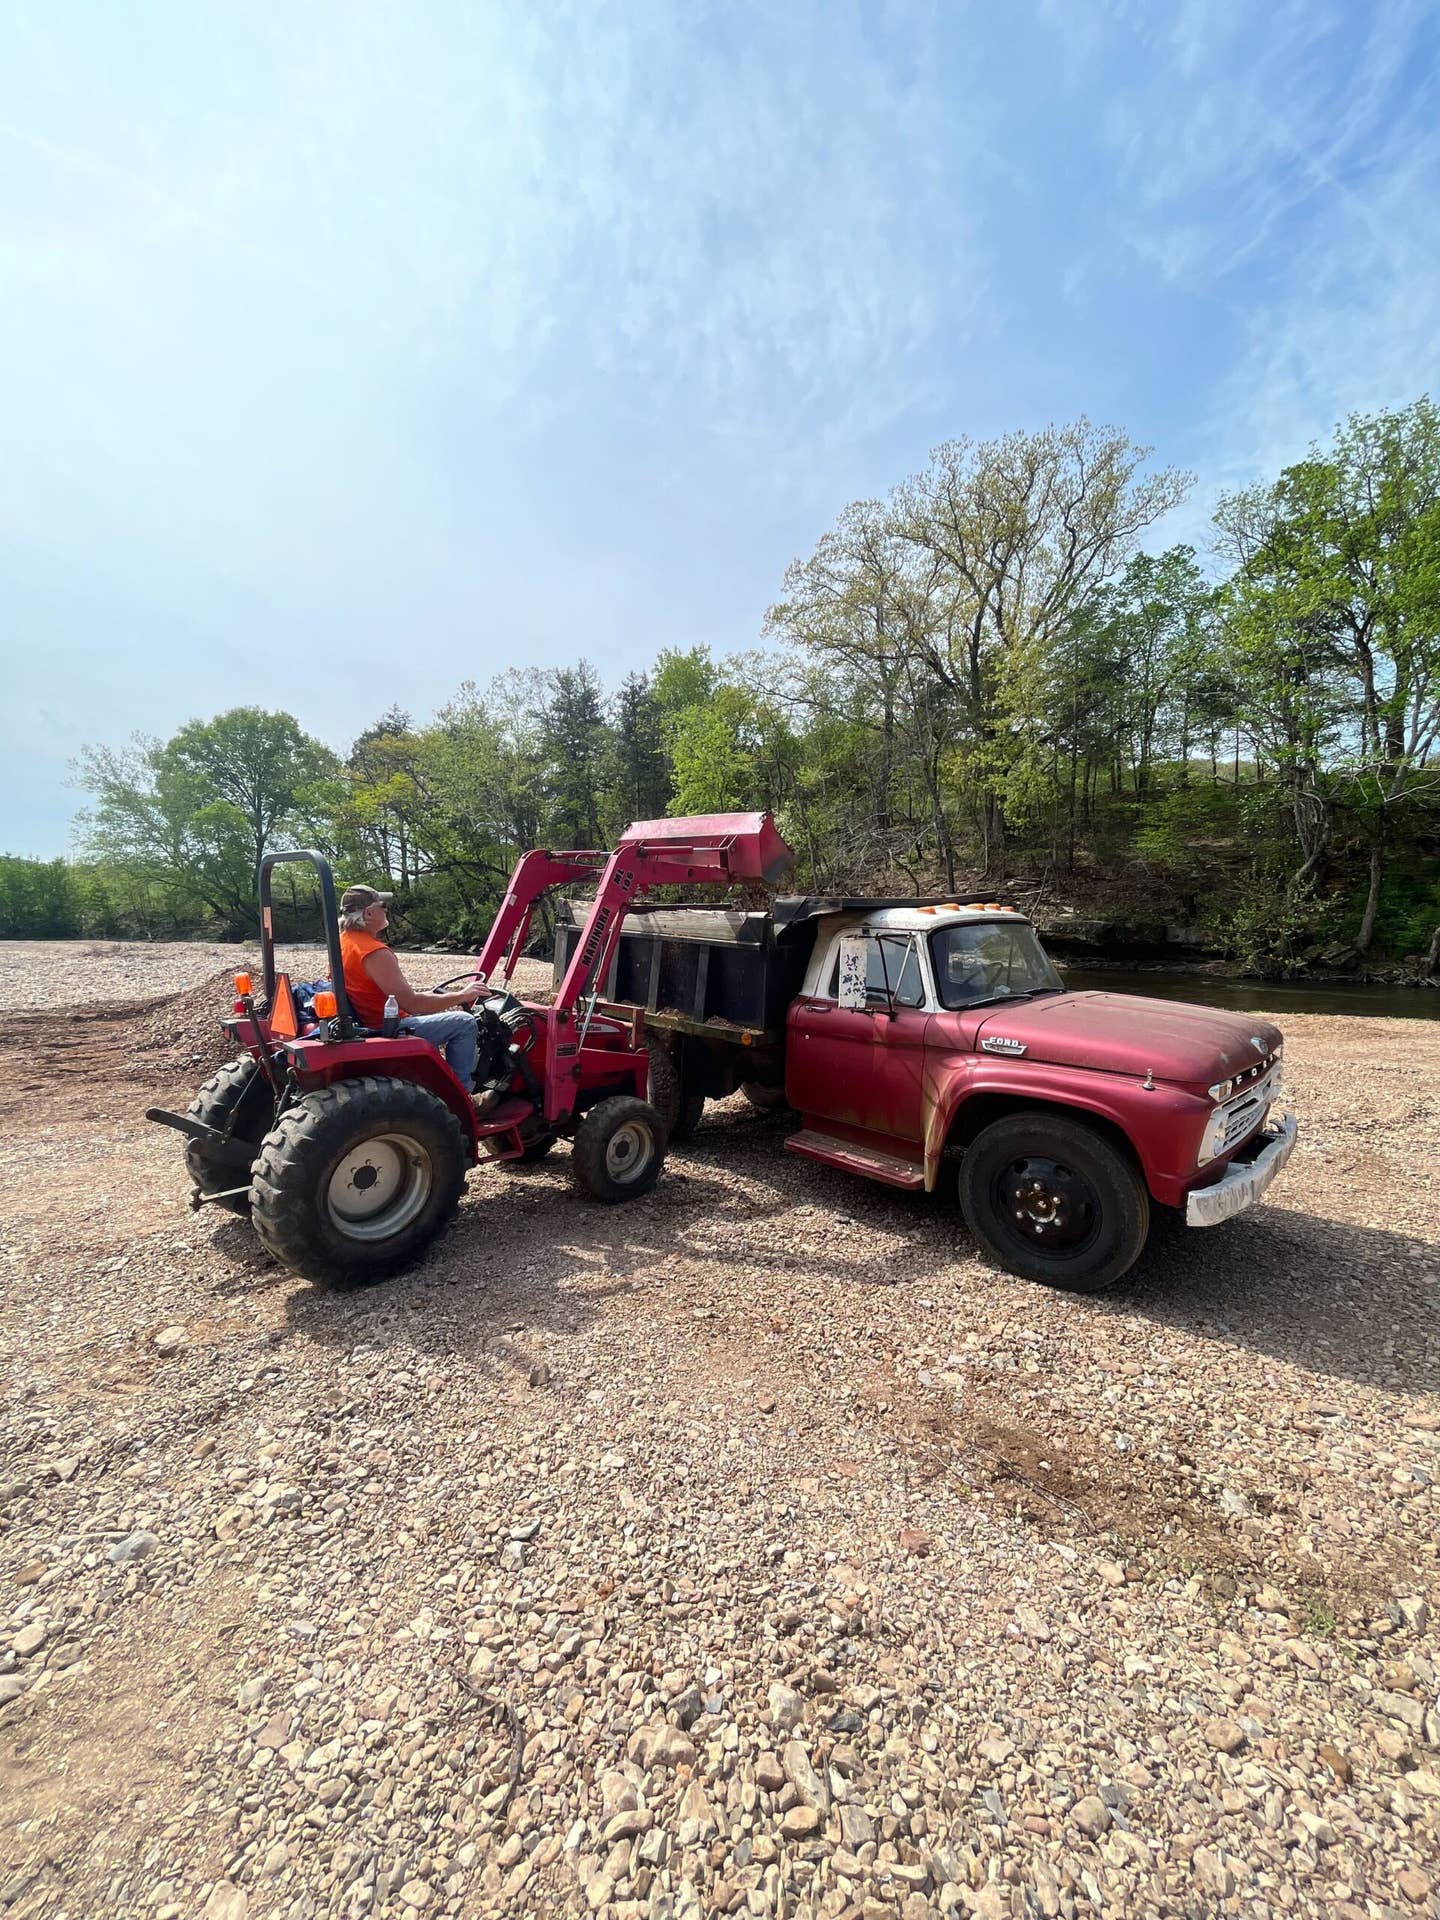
x=486, y=1100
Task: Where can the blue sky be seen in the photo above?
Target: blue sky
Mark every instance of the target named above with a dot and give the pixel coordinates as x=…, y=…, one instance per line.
x=350, y=352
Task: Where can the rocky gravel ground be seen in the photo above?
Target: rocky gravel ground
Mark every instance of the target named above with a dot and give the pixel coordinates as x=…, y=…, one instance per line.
x=116, y=973
x=754, y=1548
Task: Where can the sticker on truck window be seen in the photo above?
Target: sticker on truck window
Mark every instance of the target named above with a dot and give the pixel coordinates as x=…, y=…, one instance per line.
x=851, y=980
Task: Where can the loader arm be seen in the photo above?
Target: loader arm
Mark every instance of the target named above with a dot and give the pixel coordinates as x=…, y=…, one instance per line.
x=713, y=849
x=533, y=874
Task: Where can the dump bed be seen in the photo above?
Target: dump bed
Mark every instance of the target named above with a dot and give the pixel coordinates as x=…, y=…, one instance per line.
x=697, y=966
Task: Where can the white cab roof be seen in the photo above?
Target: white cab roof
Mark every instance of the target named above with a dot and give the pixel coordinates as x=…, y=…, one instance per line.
x=919, y=919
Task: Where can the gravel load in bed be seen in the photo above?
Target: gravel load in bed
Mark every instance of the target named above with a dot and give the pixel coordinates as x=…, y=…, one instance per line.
x=751, y=1549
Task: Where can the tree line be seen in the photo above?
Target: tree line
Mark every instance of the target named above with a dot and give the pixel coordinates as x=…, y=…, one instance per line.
x=987, y=674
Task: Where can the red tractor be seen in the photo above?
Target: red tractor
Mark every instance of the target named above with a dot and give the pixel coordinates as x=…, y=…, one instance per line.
x=349, y=1149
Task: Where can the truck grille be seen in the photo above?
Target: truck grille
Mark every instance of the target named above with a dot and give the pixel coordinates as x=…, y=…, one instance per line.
x=1244, y=1113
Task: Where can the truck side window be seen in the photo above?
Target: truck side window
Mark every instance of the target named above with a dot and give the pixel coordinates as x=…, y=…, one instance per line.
x=901, y=967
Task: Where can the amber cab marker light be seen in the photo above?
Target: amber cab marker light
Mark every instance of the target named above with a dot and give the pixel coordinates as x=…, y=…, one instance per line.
x=325, y=1006
x=243, y=983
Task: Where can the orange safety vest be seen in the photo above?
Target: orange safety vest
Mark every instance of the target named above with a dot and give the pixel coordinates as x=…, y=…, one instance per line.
x=367, y=1002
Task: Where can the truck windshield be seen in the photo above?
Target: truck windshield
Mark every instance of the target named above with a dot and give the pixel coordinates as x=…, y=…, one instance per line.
x=990, y=960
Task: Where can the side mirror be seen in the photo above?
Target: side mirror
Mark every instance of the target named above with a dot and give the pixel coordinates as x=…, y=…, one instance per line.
x=854, y=955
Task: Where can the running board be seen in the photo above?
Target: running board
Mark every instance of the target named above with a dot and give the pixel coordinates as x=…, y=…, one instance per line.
x=869, y=1161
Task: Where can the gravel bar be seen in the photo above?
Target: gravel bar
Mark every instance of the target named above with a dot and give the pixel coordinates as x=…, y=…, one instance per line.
x=754, y=1548
x=116, y=973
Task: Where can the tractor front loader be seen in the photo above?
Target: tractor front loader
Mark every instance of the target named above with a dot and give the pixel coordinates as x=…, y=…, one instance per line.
x=350, y=1149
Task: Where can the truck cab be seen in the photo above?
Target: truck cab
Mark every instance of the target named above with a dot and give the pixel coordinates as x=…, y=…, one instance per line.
x=935, y=1039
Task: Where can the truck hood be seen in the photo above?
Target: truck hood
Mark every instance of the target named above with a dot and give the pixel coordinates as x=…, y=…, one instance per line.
x=1126, y=1033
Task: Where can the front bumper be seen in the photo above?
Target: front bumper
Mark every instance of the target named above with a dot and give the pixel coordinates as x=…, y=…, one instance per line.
x=1243, y=1183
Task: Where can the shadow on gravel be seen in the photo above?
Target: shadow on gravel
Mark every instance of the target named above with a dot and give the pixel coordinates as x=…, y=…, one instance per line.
x=529, y=1256
x=1356, y=1303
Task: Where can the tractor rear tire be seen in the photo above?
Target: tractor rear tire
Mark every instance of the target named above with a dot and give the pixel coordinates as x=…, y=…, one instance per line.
x=619, y=1149
x=356, y=1178
x=681, y=1112
x=231, y=1101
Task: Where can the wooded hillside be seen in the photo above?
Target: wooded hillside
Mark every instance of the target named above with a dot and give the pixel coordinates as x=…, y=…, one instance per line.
x=989, y=672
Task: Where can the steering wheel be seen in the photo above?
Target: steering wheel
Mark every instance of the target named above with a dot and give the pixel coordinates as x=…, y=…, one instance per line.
x=457, y=979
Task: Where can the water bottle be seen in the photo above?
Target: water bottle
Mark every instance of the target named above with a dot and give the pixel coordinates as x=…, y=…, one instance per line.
x=392, y=1017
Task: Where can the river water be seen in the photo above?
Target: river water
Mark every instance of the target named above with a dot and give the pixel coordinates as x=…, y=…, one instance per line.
x=1258, y=996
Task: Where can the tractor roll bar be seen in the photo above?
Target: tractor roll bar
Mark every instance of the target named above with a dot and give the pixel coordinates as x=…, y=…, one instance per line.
x=344, y=1023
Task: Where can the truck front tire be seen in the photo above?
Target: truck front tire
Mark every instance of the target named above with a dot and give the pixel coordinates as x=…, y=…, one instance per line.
x=1052, y=1200
x=356, y=1178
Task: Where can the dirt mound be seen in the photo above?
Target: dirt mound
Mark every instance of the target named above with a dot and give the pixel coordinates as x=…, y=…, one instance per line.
x=84, y=1059
x=183, y=1031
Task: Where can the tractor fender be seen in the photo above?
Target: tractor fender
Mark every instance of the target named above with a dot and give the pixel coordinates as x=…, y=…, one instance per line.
x=403, y=1057
x=1158, y=1124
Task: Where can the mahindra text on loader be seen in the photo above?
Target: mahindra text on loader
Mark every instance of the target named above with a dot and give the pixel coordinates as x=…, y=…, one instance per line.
x=924, y=1044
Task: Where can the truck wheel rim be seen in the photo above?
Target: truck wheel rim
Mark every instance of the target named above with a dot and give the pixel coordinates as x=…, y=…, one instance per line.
x=1047, y=1206
x=629, y=1151
x=378, y=1187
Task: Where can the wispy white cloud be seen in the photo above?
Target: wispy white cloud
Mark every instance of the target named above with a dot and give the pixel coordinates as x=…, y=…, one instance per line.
x=1284, y=165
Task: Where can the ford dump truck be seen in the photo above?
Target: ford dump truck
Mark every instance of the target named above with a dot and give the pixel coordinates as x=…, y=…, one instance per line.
x=932, y=1044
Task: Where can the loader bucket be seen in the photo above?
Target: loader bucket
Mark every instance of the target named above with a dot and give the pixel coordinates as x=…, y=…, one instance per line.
x=747, y=845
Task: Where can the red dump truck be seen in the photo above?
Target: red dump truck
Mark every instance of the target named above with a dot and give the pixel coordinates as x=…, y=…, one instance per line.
x=932, y=1044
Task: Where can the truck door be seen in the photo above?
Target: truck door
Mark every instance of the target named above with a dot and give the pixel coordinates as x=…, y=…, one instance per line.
x=863, y=1068
x=827, y=1057
x=897, y=1061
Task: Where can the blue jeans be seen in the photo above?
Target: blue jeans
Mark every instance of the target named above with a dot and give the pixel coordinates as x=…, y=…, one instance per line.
x=453, y=1034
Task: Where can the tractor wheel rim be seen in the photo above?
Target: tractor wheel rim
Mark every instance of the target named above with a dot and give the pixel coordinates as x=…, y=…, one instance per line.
x=629, y=1151
x=378, y=1187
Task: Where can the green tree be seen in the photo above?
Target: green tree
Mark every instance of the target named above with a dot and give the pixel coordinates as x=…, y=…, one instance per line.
x=1336, y=606
x=714, y=768
x=197, y=812
x=38, y=899
x=1024, y=530
x=680, y=680
x=575, y=742
x=379, y=798
x=639, y=773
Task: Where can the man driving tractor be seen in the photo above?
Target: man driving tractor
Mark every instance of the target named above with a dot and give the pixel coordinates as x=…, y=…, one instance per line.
x=372, y=973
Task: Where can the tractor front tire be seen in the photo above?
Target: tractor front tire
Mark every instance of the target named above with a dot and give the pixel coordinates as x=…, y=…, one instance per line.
x=619, y=1149
x=356, y=1178
x=679, y=1111
x=236, y=1100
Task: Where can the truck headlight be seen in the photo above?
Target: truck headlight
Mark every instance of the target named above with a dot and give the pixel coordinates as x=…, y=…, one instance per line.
x=1213, y=1140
